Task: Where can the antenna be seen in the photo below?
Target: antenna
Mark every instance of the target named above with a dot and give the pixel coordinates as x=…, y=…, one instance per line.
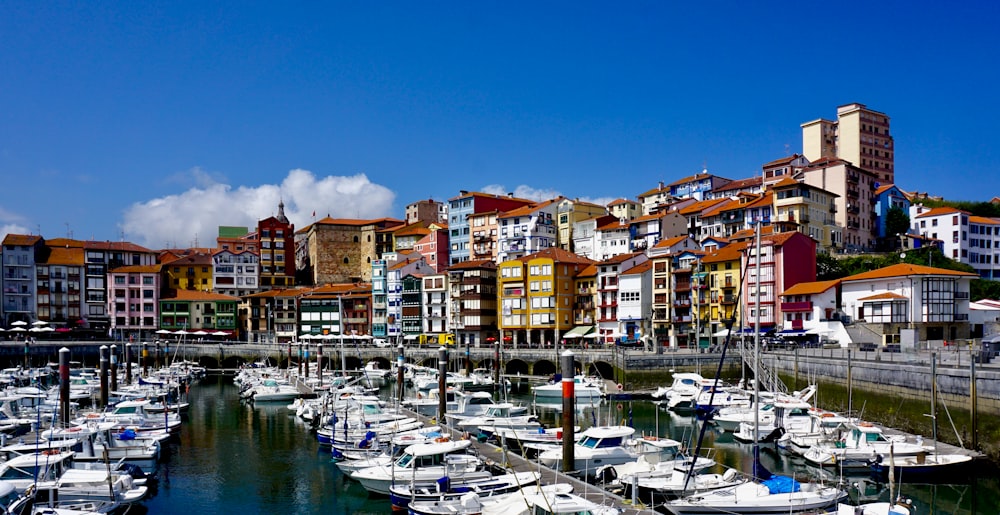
x=69, y=232
x=788, y=149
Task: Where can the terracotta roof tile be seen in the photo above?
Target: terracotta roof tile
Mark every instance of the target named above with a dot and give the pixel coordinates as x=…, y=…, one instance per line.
x=641, y=268
x=123, y=246
x=941, y=211
x=481, y=263
x=138, y=269
x=21, y=239
x=983, y=220
x=198, y=295
x=620, y=201
x=787, y=181
x=65, y=256
x=670, y=242
x=782, y=161
x=739, y=184
x=620, y=258
x=701, y=205
x=695, y=177
x=885, y=296
x=732, y=252
x=588, y=271
x=559, y=256
x=811, y=288
x=904, y=270
x=490, y=196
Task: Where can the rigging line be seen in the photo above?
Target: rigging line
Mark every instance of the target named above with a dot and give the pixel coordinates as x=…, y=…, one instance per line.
x=718, y=373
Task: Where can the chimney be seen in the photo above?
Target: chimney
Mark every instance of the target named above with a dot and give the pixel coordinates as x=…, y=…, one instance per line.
x=463, y=192
x=661, y=185
x=510, y=194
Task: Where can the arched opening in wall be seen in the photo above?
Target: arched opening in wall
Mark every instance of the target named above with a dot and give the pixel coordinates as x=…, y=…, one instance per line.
x=232, y=362
x=486, y=363
x=456, y=363
x=353, y=363
x=383, y=363
x=356, y=239
x=602, y=369
x=543, y=367
x=369, y=238
x=429, y=362
x=517, y=367
x=369, y=259
x=346, y=260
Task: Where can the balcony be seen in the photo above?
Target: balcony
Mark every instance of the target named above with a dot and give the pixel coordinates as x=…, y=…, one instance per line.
x=961, y=295
x=796, y=306
x=612, y=304
x=681, y=320
x=961, y=317
x=727, y=300
x=682, y=303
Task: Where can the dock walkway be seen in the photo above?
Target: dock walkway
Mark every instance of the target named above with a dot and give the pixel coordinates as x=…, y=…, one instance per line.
x=517, y=463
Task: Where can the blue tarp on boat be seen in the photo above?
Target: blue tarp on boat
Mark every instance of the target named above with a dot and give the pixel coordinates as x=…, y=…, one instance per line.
x=781, y=485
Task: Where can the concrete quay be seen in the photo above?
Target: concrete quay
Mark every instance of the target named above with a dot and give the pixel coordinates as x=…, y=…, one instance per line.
x=512, y=461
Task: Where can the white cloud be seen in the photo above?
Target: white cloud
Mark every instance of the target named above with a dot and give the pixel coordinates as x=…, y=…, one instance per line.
x=522, y=191
x=538, y=194
x=178, y=220
x=11, y=223
x=12, y=229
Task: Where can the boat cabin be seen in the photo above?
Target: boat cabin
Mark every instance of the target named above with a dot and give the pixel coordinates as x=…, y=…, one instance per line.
x=604, y=437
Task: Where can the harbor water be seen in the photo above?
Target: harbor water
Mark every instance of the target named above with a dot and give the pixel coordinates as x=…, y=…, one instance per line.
x=233, y=457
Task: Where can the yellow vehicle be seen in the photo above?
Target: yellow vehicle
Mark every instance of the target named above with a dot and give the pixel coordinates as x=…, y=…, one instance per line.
x=436, y=339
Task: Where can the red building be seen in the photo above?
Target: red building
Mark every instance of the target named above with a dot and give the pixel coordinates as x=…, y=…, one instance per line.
x=277, y=251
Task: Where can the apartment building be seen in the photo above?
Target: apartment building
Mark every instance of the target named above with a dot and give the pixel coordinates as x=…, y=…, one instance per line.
x=859, y=136
x=473, y=296
x=460, y=209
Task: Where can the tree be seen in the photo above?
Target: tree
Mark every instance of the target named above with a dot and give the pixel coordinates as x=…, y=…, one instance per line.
x=896, y=222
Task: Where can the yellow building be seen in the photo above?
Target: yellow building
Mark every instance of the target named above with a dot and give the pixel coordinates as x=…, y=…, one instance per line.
x=722, y=269
x=190, y=270
x=537, y=296
x=807, y=209
x=569, y=212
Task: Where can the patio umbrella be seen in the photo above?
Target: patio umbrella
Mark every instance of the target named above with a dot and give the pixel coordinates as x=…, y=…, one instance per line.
x=180, y=331
x=39, y=322
x=19, y=323
x=18, y=330
x=220, y=333
x=164, y=331
x=200, y=333
x=48, y=329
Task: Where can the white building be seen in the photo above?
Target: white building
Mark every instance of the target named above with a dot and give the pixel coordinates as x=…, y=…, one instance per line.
x=235, y=272
x=969, y=239
x=434, y=297
x=635, y=302
x=527, y=230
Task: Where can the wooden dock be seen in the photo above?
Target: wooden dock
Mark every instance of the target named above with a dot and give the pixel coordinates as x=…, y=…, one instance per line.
x=515, y=462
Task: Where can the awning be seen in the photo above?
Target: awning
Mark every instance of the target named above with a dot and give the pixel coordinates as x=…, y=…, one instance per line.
x=724, y=332
x=578, y=331
x=819, y=330
x=792, y=332
x=411, y=337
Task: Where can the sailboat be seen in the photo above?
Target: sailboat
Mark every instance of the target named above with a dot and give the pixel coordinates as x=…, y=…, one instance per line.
x=766, y=492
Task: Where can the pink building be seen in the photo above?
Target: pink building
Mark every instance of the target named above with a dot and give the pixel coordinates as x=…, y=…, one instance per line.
x=786, y=259
x=434, y=249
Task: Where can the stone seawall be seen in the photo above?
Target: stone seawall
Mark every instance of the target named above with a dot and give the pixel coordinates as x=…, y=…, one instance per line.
x=901, y=375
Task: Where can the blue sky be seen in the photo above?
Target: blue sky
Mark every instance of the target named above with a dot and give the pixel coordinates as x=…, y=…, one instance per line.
x=160, y=121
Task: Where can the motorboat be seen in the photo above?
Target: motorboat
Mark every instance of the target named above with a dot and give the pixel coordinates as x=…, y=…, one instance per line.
x=875, y=508
x=775, y=495
x=682, y=392
x=108, y=442
x=270, y=390
x=858, y=446
x=496, y=416
x=539, y=438
x=95, y=485
x=423, y=465
x=595, y=448
x=584, y=388
x=658, y=457
x=133, y=414
x=402, y=495
x=787, y=416
x=547, y=500
x=926, y=467
x=824, y=426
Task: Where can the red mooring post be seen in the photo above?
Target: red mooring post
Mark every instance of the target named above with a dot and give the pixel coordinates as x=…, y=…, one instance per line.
x=442, y=383
x=569, y=397
x=128, y=363
x=400, y=372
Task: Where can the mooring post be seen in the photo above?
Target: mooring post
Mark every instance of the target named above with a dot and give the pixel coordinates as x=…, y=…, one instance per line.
x=145, y=360
x=128, y=363
x=400, y=372
x=103, y=354
x=307, y=361
x=442, y=383
x=64, y=386
x=973, y=404
x=569, y=398
x=114, y=368
x=319, y=364
x=796, y=387
x=496, y=366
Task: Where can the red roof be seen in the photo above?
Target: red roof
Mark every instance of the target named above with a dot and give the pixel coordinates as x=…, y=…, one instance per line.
x=643, y=267
x=21, y=239
x=198, y=295
x=904, y=270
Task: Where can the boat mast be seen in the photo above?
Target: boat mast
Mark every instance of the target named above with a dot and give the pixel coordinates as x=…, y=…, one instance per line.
x=756, y=342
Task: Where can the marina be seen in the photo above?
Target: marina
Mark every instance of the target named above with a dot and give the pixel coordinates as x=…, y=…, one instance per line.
x=269, y=455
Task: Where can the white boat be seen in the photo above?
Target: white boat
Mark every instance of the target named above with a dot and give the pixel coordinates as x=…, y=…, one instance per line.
x=496, y=416
x=788, y=416
x=857, y=447
x=423, y=465
x=108, y=442
x=595, y=448
x=475, y=504
x=133, y=414
x=761, y=497
x=682, y=392
x=583, y=388
x=658, y=457
x=875, y=508
x=270, y=390
x=96, y=485
x=548, y=500
x=824, y=426
x=445, y=492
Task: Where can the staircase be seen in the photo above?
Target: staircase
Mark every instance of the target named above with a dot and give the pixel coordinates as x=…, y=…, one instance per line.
x=768, y=378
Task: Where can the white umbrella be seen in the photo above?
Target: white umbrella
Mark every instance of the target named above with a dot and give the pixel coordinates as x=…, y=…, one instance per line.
x=164, y=331
x=48, y=329
x=180, y=331
x=200, y=333
x=220, y=333
x=308, y=336
x=39, y=322
x=18, y=330
x=19, y=323
x=329, y=337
